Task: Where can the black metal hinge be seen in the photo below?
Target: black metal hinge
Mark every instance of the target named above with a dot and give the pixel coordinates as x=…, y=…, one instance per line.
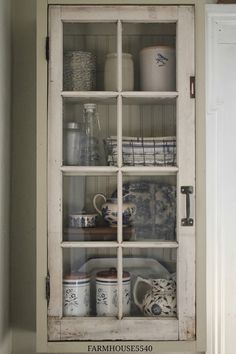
x=192, y=87
x=47, y=288
x=47, y=49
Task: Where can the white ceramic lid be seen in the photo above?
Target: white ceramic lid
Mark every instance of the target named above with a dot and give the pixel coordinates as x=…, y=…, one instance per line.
x=125, y=55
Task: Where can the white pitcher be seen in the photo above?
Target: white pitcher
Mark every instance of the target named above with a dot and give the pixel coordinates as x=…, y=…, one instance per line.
x=159, y=300
x=109, y=210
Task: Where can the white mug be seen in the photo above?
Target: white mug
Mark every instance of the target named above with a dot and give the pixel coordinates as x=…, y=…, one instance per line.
x=76, y=291
x=107, y=293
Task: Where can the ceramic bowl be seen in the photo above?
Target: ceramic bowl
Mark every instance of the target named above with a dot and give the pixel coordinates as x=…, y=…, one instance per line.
x=78, y=220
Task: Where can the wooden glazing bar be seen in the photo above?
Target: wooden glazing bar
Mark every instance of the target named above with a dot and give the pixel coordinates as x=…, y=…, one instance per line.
x=151, y=244
x=88, y=244
x=88, y=170
x=120, y=283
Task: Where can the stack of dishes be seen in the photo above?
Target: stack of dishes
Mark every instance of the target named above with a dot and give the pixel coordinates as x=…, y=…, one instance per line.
x=136, y=151
x=79, y=71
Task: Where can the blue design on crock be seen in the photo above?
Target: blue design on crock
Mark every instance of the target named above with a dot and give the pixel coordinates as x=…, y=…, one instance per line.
x=161, y=60
x=101, y=297
x=156, y=207
x=71, y=298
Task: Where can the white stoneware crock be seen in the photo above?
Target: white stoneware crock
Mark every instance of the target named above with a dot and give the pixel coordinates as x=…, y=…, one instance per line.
x=157, y=69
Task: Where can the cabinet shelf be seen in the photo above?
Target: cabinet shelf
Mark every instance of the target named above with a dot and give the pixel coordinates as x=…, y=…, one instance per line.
x=134, y=97
x=110, y=170
x=110, y=244
x=98, y=96
x=97, y=233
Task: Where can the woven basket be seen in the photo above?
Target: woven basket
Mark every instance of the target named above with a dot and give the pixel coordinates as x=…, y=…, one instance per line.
x=79, y=71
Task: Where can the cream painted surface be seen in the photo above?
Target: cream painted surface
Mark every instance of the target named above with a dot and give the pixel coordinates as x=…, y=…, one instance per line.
x=5, y=117
x=221, y=170
x=23, y=188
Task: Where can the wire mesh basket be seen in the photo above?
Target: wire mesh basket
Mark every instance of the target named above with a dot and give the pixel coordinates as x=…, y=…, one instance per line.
x=79, y=71
x=136, y=151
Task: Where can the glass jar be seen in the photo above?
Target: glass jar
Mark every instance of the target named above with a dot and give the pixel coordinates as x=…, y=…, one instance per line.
x=74, y=139
x=110, y=75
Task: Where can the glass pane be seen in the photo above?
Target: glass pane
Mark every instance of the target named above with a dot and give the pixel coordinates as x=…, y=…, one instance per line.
x=87, y=47
x=149, y=132
x=87, y=123
x=153, y=281
x=86, y=212
x=151, y=47
x=90, y=282
x=149, y=207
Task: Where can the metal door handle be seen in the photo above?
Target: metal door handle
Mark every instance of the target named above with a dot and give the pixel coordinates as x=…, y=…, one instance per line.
x=187, y=190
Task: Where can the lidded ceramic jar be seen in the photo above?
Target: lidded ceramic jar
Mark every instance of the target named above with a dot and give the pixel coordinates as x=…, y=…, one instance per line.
x=107, y=293
x=76, y=294
x=157, y=69
x=110, y=72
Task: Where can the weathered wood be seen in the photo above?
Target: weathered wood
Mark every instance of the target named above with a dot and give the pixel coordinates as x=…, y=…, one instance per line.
x=186, y=175
x=113, y=13
x=54, y=162
x=108, y=328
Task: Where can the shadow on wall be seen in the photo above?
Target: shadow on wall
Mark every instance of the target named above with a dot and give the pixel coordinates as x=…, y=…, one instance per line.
x=5, y=94
x=23, y=183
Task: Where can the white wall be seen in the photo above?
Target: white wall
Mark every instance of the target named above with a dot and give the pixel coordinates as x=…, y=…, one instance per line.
x=221, y=178
x=5, y=95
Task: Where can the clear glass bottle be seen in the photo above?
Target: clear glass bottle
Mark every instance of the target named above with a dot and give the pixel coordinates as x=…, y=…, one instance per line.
x=93, y=153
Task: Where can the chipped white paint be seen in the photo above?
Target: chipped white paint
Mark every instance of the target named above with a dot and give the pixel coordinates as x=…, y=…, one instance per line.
x=186, y=174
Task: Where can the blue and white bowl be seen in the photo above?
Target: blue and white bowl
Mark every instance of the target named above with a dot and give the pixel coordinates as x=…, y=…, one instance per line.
x=78, y=220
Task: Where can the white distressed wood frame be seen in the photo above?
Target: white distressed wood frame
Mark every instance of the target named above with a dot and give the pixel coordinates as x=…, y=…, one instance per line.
x=124, y=328
x=55, y=137
x=114, y=13
x=186, y=175
x=69, y=329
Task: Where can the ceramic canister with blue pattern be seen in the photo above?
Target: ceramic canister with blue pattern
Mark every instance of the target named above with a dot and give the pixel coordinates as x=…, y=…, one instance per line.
x=76, y=291
x=107, y=293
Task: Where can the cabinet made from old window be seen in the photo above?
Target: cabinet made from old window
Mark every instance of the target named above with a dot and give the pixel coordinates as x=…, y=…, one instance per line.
x=121, y=187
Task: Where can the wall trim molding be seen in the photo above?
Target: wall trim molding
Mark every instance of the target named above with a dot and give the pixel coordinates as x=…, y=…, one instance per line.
x=217, y=17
